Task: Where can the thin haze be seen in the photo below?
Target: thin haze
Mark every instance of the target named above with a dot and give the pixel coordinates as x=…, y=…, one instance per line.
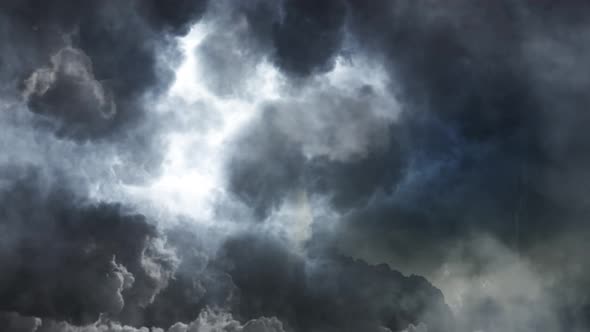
x=294, y=166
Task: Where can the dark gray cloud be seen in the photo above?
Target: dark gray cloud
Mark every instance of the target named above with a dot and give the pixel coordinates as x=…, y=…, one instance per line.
x=303, y=36
x=262, y=185
x=64, y=258
x=198, y=283
x=446, y=140
x=98, y=88
x=490, y=140
x=481, y=134
x=315, y=293
x=91, y=72
x=324, y=293
x=175, y=16
x=308, y=35
x=478, y=122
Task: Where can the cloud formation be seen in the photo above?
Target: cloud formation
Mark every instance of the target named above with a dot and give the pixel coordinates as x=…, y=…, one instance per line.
x=293, y=165
x=207, y=320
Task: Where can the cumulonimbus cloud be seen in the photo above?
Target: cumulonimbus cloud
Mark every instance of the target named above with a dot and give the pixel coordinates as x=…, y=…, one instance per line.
x=271, y=165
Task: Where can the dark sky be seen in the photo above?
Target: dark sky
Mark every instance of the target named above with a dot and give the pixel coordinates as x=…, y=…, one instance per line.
x=294, y=166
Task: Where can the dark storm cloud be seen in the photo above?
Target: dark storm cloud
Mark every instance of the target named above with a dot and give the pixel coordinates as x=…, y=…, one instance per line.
x=490, y=140
x=71, y=79
x=303, y=36
x=258, y=275
x=89, y=65
x=470, y=71
x=327, y=293
x=175, y=16
x=84, y=70
x=64, y=258
x=300, y=37
x=91, y=73
x=262, y=185
x=329, y=140
x=308, y=35
x=197, y=283
x=487, y=122
x=466, y=163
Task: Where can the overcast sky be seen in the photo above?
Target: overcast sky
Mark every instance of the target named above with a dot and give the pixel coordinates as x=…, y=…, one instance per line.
x=294, y=166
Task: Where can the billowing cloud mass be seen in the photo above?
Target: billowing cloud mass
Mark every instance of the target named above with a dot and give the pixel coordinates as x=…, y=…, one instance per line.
x=294, y=166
